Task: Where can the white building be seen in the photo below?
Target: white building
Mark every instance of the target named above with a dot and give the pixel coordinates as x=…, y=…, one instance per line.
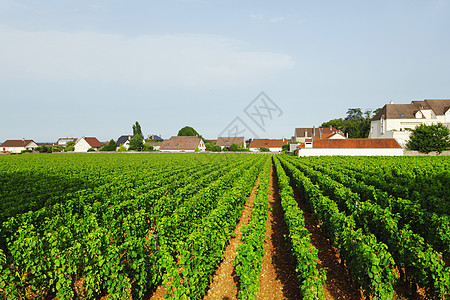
x=17, y=146
x=63, y=141
x=397, y=120
x=86, y=143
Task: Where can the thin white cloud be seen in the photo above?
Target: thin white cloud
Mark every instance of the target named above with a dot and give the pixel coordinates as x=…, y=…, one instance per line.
x=169, y=61
x=257, y=17
x=277, y=20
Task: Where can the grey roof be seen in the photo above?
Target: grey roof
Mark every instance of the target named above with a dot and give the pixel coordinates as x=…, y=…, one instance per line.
x=122, y=139
x=408, y=111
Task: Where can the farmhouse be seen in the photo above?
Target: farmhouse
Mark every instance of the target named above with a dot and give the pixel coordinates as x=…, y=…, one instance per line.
x=124, y=140
x=183, y=144
x=397, y=120
x=272, y=144
x=302, y=134
x=155, y=145
x=350, y=147
x=63, y=141
x=225, y=142
x=17, y=146
x=85, y=143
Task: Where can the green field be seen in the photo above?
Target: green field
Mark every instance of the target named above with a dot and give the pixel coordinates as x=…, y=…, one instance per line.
x=121, y=224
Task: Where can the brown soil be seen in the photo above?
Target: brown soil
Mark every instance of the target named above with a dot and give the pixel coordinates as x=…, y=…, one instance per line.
x=338, y=285
x=225, y=281
x=278, y=279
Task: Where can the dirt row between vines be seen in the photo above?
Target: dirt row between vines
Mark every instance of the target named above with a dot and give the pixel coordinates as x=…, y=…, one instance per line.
x=278, y=279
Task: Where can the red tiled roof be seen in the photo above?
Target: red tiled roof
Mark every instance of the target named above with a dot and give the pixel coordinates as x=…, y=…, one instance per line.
x=268, y=143
x=322, y=133
x=93, y=142
x=354, y=143
x=181, y=143
x=16, y=143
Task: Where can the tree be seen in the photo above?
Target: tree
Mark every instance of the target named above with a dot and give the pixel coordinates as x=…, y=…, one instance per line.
x=111, y=146
x=356, y=124
x=57, y=148
x=187, y=131
x=136, y=143
x=147, y=147
x=212, y=147
x=43, y=149
x=428, y=138
x=234, y=147
x=70, y=146
x=285, y=147
x=354, y=113
x=137, y=130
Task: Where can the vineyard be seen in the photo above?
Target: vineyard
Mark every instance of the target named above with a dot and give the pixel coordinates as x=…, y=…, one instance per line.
x=111, y=225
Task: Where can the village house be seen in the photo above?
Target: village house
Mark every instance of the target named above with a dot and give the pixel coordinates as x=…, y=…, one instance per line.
x=154, y=137
x=225, y=142
x=63, y=141
x=273, y=145
x=302, y=134
x=183, y=144
x=124, y=140
x=397, y=120
x=350, y=147
x=17, y=146
x=155, y=145
x=86, y=143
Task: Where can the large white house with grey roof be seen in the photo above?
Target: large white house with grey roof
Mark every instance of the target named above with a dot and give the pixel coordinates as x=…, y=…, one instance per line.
x=397, y=120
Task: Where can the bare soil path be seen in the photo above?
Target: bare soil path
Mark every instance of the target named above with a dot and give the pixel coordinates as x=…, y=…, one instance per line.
x=278, y=279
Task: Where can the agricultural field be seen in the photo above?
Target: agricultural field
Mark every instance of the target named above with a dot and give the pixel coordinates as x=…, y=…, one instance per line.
x=178, y=226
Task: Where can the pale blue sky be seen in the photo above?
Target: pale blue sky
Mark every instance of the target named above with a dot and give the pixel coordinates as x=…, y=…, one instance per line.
x=93, y=68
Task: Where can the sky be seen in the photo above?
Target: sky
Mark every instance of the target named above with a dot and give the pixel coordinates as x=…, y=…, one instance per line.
x=253, y=68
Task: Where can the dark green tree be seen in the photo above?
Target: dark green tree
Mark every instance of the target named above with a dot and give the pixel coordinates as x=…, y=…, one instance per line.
x=187, y=131
x=212, y=147
x=136, y=143
x=354, y=113
x=234, y=147
x=111, y=146
x=356, y=124
x=43, y=149
x=285, y=147
x=147, y=147
x=137, y=130
x=428, y=138
x=70, y=146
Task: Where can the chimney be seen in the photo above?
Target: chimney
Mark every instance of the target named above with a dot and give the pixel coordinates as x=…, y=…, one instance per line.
x=391, y=102
x=314, y=131
x=331, y=127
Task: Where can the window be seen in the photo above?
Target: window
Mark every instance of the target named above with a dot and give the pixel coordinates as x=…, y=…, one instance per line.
x=176, y=144
x=167, y=144
x=402, y=115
